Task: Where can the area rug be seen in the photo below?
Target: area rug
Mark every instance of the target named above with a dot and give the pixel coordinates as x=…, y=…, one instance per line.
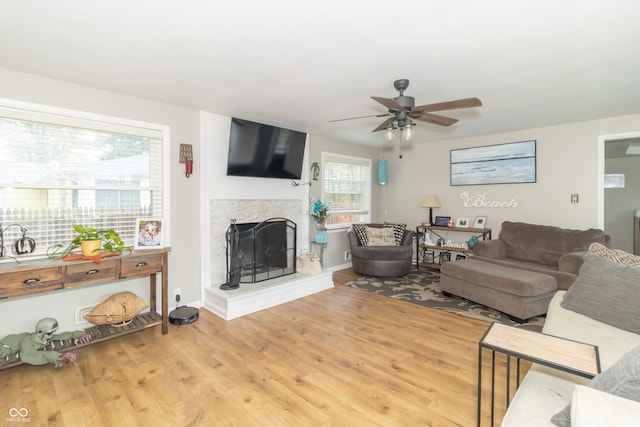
x=423, y=287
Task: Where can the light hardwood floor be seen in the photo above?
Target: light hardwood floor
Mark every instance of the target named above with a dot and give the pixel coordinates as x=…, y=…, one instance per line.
x=342, y=357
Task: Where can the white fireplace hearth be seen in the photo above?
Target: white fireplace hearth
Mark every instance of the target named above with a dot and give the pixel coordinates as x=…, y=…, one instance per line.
x=252, y=297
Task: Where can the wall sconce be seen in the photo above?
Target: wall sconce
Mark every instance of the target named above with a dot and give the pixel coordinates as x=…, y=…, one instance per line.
x=575, y=198
x=186, y=157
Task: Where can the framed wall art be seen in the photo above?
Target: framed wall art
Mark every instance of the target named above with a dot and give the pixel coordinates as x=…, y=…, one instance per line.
x=149, y=233
x=509, y=163
x=442, y=221
x=480, y=222
x=462, y=222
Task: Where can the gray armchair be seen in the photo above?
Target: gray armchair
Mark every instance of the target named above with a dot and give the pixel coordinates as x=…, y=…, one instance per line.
x=381, y=260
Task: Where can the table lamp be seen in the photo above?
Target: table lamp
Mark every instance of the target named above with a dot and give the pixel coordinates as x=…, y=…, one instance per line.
x=431, y=201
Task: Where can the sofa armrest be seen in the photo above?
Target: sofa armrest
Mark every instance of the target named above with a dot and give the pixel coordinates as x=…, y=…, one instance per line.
x=594, y=408
x=571, y=262
x=407, y=238
x=496, y=249
x=353, y=239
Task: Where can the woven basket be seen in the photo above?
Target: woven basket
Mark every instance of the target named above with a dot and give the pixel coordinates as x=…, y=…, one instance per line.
x=117, y=310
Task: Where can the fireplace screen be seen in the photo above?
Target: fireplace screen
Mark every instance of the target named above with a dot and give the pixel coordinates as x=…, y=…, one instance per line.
x=260, y=251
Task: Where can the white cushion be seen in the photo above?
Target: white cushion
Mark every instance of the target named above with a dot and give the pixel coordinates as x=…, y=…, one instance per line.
x=595, y=408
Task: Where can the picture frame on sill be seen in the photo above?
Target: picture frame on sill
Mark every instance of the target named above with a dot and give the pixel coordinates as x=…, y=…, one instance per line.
x=149, y=234
x=442, y=221
x=462, y=222
x=480, y=222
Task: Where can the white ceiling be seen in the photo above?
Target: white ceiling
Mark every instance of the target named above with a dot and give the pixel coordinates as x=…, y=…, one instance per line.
x=299, y=65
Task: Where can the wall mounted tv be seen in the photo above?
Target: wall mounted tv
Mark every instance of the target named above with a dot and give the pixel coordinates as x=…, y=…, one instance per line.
x=264, y=151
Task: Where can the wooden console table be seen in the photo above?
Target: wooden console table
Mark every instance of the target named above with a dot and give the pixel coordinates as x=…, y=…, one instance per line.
x=482, y=233
x=32, y=277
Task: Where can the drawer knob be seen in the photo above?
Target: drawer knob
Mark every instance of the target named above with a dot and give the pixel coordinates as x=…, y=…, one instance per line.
x=141, y=264
x=30, y=280
x=92, y=271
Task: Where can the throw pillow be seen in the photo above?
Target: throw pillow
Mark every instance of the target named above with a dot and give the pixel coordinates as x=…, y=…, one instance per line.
x=381, y=236
x=361, y=233
x=617, y=255
x=606, y=291
x=621, y=379
x=398, y=231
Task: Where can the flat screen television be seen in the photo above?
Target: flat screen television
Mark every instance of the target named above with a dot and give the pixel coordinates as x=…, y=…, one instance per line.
x=264, y=151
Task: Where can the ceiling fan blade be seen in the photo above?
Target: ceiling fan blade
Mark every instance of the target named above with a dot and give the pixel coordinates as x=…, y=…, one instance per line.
x=360, y=117
x=449, y=105
x=436, y=119
x=391, y=104
x=384, y=124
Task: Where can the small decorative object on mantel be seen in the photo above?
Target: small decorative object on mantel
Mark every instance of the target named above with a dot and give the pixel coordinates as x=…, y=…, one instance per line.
x=31, y=347
x=90, y=240
x=319, y=212
x=21, y=246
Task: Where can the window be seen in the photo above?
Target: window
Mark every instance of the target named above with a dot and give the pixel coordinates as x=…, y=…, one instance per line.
x=346, y=187
x=60, y=168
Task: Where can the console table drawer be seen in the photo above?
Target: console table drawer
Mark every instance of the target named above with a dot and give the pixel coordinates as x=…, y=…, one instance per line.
x=27, y=282
x=80, y=274
x=140, y=265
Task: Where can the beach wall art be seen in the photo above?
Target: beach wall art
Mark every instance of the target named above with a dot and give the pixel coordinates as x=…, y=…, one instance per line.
x=510, y=163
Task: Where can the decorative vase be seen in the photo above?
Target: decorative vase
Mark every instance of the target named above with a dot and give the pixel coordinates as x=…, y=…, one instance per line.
x=90, y=247
x=321, y=236
x=472, y=241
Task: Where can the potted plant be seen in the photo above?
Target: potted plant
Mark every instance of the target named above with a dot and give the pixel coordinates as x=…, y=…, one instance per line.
x=90, y=240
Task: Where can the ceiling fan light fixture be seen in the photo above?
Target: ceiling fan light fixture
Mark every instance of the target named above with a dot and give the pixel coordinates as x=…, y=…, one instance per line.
x=407, y=131
x=388, y=133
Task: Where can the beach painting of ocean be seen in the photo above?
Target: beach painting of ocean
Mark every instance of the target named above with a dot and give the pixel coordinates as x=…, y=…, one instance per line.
x=510, y=163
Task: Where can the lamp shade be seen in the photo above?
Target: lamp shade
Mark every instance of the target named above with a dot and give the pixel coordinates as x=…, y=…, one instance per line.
x=382, y=172
x=430, y=201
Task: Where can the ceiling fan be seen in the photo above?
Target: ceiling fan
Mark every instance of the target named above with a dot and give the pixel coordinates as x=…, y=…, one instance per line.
x=402, y=110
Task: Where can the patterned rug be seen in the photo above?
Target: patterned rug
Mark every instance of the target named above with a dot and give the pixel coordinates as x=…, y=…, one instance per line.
x=423, y=287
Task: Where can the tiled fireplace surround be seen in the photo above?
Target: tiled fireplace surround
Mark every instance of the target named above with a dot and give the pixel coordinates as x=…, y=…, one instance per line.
x=252, y=297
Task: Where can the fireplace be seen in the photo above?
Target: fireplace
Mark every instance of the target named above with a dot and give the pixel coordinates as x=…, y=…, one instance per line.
x=260, y=251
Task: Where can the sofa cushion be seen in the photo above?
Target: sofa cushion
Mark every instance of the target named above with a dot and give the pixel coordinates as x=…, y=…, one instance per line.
x=398, y=231
x=545, y=244
x=622, y=379
x=608, y=292
x=361, y=232
x=617, y=255
x=380, y=236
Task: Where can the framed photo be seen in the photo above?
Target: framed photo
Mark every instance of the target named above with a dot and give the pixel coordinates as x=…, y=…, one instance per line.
x=462, y=222
x=428, y=257
x=442, y=221
x=480, y=222
x=460, y=257
x=445, y=256
x=149, y=233
x=509, y=163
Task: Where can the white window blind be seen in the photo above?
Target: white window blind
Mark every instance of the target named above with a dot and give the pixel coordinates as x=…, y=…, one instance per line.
x=59, y=170
x=346, y=187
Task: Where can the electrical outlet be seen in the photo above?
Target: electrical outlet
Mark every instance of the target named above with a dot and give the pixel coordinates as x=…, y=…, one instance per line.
x=347, y=255
x=177, y=292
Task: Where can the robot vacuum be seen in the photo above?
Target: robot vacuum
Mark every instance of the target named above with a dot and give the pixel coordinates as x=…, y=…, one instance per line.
x=184, y=315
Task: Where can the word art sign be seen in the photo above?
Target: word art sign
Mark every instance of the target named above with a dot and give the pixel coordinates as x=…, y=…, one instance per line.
x=481, y=201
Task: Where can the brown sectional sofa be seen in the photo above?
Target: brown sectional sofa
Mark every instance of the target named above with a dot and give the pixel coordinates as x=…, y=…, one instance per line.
x=519, y=272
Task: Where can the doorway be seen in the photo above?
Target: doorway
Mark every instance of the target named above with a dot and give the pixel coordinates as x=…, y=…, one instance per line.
x=619, y=188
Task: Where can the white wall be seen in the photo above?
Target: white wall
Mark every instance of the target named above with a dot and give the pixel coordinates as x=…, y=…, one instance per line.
x=21, y=314
x=567, y=162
